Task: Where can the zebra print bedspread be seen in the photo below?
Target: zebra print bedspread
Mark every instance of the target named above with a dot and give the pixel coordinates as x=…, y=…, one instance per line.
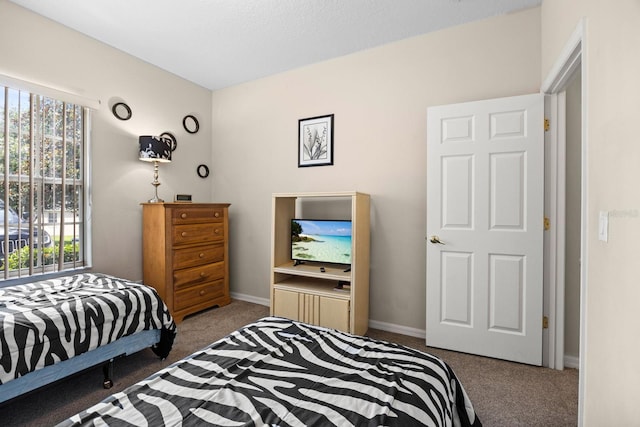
x=277, y=372
x=53, y=320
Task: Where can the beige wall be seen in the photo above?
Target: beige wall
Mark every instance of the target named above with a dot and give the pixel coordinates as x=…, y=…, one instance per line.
x=38, y=50
x=380, y=99
x=611, y=70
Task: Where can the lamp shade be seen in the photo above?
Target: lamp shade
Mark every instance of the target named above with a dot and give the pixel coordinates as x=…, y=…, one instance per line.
x=155, y=149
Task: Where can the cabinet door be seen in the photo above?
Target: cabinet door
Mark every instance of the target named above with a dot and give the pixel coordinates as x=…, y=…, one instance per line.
x=285, y=304
x=334, y=313
x=313, y=309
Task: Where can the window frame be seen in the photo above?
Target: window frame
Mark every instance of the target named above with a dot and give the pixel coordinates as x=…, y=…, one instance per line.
x=85, y=106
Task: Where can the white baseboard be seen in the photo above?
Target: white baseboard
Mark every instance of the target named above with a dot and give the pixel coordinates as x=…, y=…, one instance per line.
x=571, y=362
x=250, y=298
x=398, y=329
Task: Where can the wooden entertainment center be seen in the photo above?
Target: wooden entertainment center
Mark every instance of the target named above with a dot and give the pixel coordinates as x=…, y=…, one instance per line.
x=304, y=292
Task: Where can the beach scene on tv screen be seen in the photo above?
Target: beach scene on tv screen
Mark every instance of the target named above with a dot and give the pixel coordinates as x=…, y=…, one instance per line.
x=321, y=241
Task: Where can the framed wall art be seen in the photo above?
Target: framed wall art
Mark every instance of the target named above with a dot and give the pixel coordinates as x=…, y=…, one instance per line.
x=315, y=141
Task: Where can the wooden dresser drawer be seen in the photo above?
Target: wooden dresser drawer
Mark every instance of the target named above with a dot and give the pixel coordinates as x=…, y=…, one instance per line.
x=199, y=294
x=199, y=255
x=189, y=214
x=195, y=275
x=197, y=233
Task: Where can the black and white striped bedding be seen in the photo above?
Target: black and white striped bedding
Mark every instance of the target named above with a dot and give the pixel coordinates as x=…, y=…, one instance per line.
x=278, y=372
x=48, y=321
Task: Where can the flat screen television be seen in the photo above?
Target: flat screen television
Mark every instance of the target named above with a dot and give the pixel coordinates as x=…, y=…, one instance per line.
x=321, y=240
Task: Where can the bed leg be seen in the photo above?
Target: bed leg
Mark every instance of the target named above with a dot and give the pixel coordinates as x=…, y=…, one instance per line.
x=107, y=369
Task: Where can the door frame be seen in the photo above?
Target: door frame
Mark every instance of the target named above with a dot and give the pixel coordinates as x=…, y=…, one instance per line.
x=572, y=57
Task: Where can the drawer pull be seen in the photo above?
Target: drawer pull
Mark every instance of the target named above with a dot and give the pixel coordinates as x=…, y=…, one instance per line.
x=203, y=274
x=216, y=214
x=201, y=255
x=183, y=234
x=183, y=216
x=217, y=231
x=202, y=292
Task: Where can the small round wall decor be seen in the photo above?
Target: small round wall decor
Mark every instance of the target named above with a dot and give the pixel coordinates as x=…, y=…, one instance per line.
x=203, y=171
x=121, y=111
x=174, y=142
x=190, y=124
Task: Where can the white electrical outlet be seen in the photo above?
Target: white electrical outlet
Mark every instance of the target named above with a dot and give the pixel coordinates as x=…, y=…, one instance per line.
x=603, y=226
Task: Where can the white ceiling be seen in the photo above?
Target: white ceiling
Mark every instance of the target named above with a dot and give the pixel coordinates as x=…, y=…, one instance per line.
x=220, y=43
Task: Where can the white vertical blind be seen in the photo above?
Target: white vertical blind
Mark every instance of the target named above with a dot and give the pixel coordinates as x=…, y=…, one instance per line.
x=42, y=147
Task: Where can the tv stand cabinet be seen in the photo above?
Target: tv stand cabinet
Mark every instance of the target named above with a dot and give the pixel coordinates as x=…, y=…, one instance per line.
x=304, y=292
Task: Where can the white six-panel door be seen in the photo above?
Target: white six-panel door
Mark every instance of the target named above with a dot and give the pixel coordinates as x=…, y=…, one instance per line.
x=485, y=195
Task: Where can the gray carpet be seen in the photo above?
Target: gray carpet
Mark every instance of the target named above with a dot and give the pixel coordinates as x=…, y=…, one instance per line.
x=503, y=393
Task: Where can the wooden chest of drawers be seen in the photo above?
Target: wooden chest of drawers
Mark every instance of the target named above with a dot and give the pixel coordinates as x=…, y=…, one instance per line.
x=185, y=254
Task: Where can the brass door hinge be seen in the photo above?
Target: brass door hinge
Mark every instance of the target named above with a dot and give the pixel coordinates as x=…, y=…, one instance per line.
x=547, y=223
x=545, y=322
x=546, y=125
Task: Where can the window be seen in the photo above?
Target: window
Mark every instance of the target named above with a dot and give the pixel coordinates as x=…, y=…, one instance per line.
x=42, y=184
